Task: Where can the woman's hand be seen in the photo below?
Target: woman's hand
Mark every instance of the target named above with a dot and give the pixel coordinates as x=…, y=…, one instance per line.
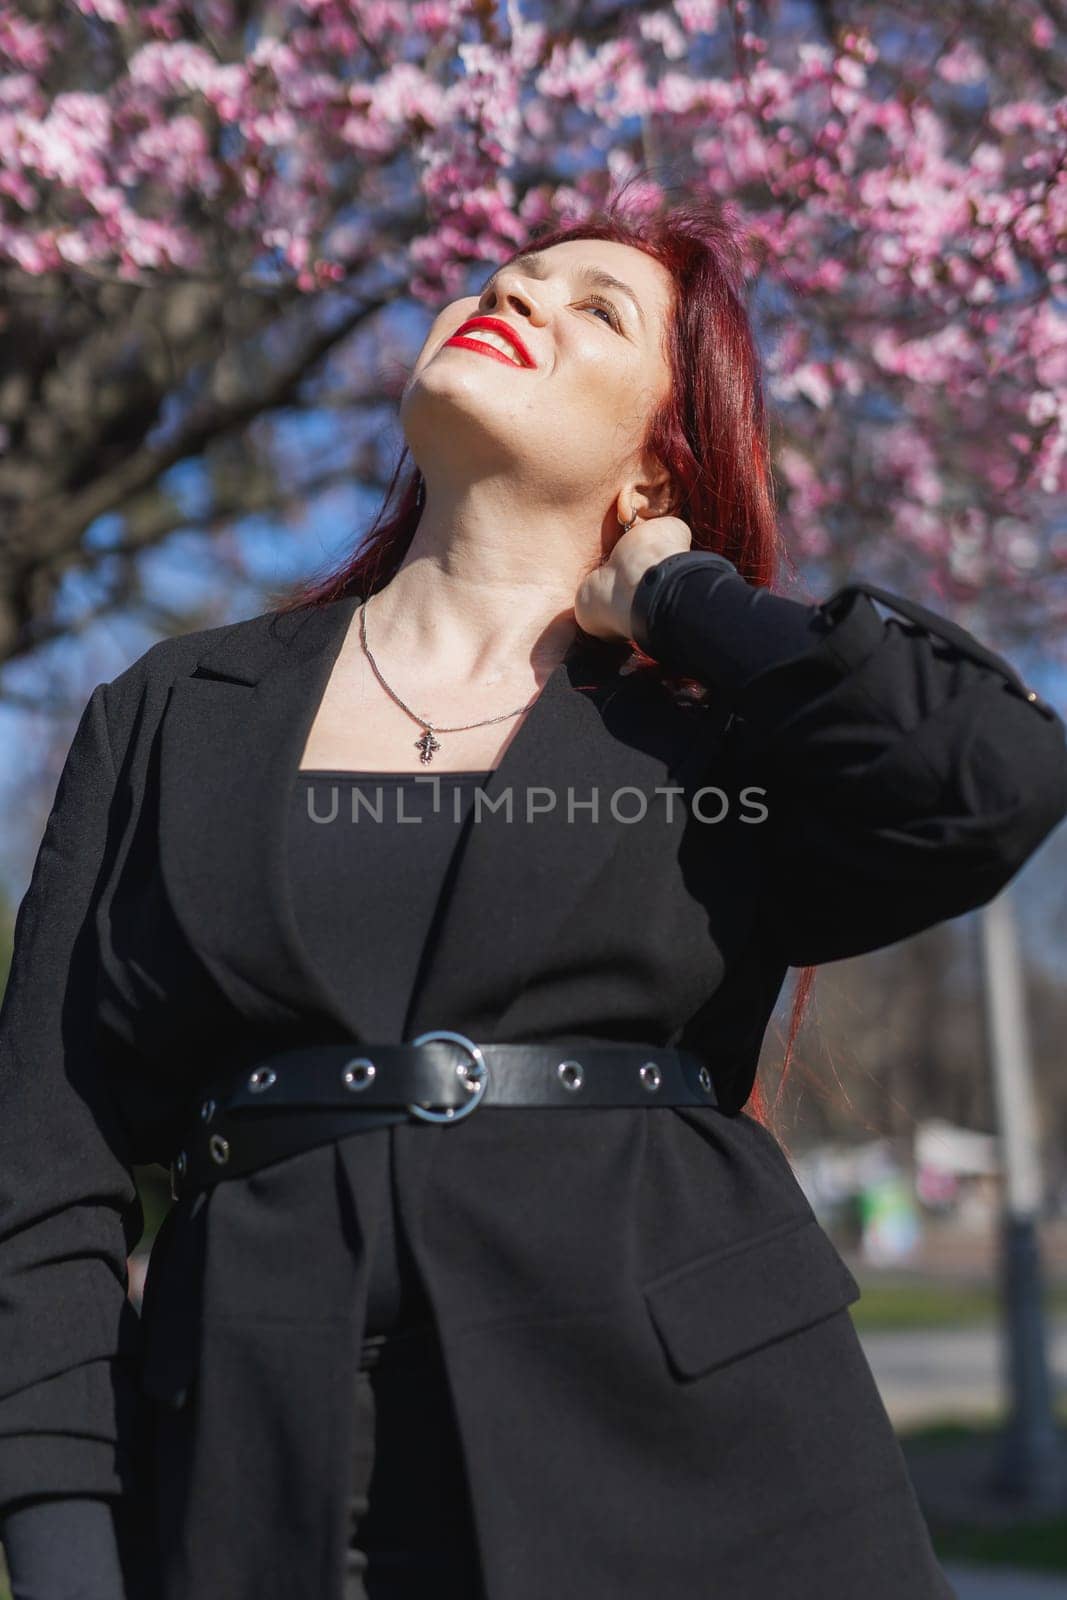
x=605, y=597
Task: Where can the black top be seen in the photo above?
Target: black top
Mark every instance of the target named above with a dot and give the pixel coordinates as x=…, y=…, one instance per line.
x=376, y=840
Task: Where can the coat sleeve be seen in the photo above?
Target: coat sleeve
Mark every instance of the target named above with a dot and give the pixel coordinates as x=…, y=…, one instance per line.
x=909, y=771
x=69, y=1208
x=65, y=1549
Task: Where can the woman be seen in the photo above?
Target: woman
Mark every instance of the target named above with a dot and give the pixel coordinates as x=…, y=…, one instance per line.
x=535, y=1307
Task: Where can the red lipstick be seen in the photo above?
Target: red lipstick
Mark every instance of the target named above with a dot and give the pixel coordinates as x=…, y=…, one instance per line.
x=505, y=330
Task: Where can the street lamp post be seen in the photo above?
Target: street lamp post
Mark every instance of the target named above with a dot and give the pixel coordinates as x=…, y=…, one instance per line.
x=1030, y=1463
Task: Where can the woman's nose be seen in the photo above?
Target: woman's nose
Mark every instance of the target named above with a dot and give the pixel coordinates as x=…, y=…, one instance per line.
x=512, y=297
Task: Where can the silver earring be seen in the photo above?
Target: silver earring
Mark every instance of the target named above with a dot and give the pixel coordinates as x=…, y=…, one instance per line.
x=626, y=526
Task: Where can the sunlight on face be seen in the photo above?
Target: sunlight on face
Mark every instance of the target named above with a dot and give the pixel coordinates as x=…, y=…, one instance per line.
x=592, y=315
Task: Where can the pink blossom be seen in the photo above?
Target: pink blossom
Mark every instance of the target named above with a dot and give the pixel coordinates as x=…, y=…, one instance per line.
x=172, y=68
x=962, y=64
x=698, y=16
x=24, y=43
x=660, y=28
x=910, y=246
x=103, y=10
x=851, y=72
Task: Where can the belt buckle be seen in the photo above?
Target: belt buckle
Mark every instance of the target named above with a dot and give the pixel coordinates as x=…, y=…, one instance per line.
x=480, y=1071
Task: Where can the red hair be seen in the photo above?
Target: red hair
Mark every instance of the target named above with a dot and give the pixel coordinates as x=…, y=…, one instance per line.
x=711, y=433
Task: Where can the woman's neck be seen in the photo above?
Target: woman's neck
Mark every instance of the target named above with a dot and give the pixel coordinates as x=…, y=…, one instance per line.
x=491, y=630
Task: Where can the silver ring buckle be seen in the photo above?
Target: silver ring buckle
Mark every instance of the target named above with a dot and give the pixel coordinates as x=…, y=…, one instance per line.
x=479, y=1070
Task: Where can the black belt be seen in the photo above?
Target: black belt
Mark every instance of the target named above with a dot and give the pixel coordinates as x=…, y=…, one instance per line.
x=299, y=1098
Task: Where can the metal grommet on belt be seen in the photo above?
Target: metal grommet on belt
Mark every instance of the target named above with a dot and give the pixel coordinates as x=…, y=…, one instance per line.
x=650, y=1075
x=704, y=1080
x=261, y=1079
x=571, y=1074
x=359, y=1073
x=207, y=1110
x=475, y=1078
x=220, y=1149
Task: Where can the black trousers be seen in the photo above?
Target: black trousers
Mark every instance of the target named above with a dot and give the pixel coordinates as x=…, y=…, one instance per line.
x=411, y=1535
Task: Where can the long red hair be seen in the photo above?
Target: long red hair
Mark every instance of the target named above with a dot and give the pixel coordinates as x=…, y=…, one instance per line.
x=711, y=433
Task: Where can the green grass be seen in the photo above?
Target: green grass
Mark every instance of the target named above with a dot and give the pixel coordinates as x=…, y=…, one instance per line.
x=892, y=1305
x=1037, y=1547
x=1037, y=1544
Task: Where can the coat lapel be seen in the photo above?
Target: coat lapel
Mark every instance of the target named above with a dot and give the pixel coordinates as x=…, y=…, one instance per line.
x=232, y=737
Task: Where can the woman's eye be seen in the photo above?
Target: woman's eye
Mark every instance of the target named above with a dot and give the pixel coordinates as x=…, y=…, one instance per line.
x=606, y=307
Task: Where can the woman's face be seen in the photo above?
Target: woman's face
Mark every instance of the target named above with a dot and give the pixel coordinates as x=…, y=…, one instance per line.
x=563, y=432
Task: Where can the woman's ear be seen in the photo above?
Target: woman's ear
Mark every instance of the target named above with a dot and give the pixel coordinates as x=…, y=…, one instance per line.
x=654, y=493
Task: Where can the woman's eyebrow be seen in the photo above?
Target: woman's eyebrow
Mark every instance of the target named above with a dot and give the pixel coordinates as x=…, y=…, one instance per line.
x=534, y=264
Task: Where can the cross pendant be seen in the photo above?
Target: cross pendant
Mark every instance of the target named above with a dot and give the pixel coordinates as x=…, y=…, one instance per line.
x=426, y=744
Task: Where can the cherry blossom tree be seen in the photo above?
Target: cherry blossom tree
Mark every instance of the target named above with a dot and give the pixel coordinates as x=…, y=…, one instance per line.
x=210, y=211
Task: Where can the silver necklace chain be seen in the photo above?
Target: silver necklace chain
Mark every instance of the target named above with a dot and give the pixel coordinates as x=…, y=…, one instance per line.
x=426, y=744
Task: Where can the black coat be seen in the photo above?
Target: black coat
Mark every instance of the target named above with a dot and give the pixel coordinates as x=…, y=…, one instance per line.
x=657, y=1383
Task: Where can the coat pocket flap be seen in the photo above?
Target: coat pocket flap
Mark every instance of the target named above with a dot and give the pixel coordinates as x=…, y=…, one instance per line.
x=729, y=1304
